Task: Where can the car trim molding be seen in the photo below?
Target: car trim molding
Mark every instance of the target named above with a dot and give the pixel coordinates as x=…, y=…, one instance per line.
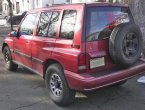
x=21, y=54
x=29, y=57
x=28, y=67
x=37, y=60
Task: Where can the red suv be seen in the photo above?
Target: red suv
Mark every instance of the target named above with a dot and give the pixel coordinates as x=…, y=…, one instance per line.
x=78, y=47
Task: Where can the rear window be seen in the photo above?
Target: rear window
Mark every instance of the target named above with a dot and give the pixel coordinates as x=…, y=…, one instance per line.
x=99, y=18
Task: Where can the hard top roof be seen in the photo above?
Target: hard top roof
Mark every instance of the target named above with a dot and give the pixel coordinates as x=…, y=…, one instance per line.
x=63, y=6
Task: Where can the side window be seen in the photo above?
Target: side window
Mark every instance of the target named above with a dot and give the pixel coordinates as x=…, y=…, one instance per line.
x=44, y=24
x=47, y=26
x=53, y=24
x=68, y=24
x=28, y=25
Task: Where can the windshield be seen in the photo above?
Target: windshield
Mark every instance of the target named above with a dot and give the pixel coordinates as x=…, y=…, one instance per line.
x=100, y=18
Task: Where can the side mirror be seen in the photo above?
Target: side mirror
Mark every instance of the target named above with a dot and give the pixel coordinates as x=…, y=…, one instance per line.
x=14, y=34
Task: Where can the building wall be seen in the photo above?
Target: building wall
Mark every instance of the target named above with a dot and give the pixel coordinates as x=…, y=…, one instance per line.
x=60, y=2
x=38, y=3
x=25, y=5
x=82, y=1
x=88, y=1
x=5, y=7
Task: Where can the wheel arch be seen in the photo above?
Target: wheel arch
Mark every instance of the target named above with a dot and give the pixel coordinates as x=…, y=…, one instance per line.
x=4, y=45
x=49, y=62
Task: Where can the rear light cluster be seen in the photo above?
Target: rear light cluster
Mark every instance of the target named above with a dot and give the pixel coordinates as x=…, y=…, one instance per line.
x=83, y=60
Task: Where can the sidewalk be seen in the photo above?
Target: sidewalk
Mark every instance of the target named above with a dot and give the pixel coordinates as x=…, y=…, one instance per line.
x=3, y=22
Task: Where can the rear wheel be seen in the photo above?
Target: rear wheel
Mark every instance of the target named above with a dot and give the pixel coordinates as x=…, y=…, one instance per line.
x=8, y=59
x=57, y=86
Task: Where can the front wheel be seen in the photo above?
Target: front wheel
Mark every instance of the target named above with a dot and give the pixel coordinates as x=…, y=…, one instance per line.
x=57, y=86
x=8, y=60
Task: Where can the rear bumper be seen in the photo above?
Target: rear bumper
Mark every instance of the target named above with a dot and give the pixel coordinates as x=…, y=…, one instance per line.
x=91, y=81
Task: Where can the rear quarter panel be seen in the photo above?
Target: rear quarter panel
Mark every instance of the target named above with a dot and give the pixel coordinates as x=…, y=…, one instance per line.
x=64, y=51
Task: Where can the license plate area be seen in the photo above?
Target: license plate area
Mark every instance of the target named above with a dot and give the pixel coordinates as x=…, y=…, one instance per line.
x=97, y=62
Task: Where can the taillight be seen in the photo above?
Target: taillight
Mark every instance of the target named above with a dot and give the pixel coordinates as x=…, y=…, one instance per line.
x=82, y=62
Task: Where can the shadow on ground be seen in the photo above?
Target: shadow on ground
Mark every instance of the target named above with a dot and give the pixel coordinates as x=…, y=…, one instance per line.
x=24, y=90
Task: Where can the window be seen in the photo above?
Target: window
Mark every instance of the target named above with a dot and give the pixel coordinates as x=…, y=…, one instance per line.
x=98, y=18
x=68, y=24
x=43, y=24
x=37, y=2
x=28, y=24
x=53, y=24
x=23, y=2
x=13, y=7
x=5, y=6
x=47, y=26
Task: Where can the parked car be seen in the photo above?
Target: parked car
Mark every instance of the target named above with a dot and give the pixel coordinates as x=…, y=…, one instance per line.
x=78, y=47
x=16, y=19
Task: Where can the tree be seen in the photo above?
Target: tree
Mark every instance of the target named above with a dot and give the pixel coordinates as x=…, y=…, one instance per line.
x=0, y=5
x=10, y=12
x=138, y=10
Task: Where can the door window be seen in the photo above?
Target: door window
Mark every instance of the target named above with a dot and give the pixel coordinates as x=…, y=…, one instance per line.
x=47, y=26
x=28, y=25
x=44, y=23
x=53, y=24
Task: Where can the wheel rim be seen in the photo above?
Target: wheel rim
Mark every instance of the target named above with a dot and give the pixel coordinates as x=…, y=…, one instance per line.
x=130, y=45
x=6, y=57
x=56, y=85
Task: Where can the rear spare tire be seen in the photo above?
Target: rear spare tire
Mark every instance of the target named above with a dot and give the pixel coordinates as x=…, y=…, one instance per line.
x=125, y=44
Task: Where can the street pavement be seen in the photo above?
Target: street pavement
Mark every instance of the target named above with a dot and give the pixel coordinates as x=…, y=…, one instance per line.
x=24, y=90
x=2, y=21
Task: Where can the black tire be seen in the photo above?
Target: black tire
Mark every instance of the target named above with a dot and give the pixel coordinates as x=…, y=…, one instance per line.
x=66, y=95
x=119, y=83
x=8, y=60
x=125, y=45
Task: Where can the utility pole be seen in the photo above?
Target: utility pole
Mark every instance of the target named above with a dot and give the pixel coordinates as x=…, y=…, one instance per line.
x=11, y=12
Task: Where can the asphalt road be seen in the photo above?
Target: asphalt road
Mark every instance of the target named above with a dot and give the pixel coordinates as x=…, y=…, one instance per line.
x=24, y=90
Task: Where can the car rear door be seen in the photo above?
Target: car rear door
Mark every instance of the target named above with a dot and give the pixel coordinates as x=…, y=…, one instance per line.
x=44, y=40
x=100, y=21
x=22, y=43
